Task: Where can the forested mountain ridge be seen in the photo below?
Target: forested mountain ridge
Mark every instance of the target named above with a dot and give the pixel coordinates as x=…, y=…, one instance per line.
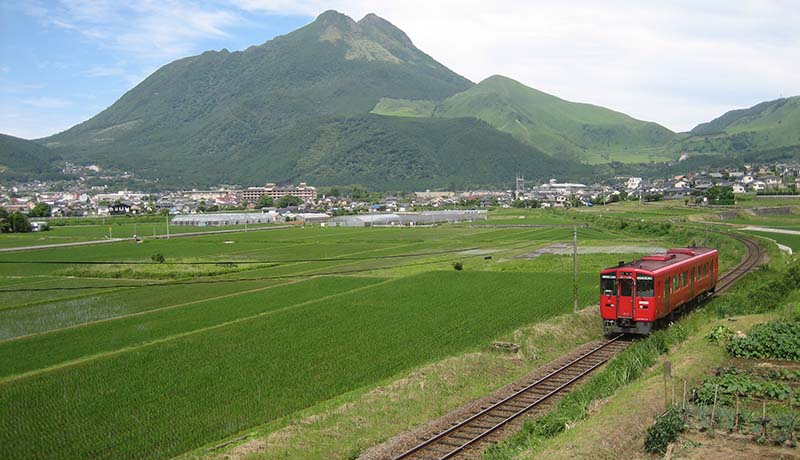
x=20, y=158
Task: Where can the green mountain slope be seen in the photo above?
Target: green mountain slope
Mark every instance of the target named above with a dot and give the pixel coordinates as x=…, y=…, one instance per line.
x=560, y=128
x=20, y=158
x=194, y=119
x=767, y=127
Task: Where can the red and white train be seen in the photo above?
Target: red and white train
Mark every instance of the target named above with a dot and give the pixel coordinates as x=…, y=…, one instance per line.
x=641, y=295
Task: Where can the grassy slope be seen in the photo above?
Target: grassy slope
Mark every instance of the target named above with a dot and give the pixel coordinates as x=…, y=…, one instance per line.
x=772, y=126
x=555, y=126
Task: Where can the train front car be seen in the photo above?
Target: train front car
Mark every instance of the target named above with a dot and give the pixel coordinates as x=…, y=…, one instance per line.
x=639, y=296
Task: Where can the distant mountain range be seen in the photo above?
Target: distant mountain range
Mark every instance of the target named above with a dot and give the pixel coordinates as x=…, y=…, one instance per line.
x=345, y=102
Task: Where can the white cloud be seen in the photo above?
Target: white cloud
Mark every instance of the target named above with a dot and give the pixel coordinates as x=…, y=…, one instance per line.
x=676, y=62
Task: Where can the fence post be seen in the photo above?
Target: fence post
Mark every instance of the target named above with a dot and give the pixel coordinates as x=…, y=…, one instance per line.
x=667, y=377
x=714, y=410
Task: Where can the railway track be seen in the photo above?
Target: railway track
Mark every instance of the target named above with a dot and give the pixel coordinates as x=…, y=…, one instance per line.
x=465, y=438
x=753, y=255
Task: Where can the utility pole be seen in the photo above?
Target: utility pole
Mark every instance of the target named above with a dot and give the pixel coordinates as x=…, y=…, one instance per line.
x=575, y=268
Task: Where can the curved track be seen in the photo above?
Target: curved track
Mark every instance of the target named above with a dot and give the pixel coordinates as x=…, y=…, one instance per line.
x=464, y=438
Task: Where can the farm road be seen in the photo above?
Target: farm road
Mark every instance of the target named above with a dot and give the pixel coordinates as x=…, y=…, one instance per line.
x=117, y=240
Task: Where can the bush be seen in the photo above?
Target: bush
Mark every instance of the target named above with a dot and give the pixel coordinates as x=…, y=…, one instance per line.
x=158, y=258
x=779, y=339
x=458, y=266
x=663, y=431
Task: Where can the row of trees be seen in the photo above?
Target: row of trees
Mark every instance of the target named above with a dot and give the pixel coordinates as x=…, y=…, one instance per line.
x=284, y=201
x=15, y=222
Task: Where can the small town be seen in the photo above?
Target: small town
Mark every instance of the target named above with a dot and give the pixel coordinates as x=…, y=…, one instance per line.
x=309, y=204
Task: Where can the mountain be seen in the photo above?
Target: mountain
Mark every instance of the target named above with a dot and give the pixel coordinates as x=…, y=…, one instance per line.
x=769, y=127
x=560, y=128
x=297, y=108
x=22, y=159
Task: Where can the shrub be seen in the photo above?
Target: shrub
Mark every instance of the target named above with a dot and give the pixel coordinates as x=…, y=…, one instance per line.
x=663, y=431
x=458, y=266
x=779, y=339
x=158, y=258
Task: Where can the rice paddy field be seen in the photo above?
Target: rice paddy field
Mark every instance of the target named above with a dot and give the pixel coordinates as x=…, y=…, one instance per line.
x=106, y=352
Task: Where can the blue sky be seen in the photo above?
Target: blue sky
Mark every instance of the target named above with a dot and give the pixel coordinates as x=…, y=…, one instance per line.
x=676, y=62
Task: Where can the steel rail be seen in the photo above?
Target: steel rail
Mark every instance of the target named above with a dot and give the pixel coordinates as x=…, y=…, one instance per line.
x=511, y=397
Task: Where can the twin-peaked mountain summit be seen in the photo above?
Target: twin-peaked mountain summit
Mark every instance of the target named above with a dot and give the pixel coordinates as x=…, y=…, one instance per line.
x=350, y=102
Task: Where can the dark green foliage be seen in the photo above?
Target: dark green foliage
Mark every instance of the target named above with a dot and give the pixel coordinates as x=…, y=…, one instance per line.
x=18, y=223
x=265, y=201
x=21, y=159
x=458, y=266
x=663, y=431
x=5, y=224
x=731, y=383
x=779, y=339
x=289, y=200
x=40, y=210
x=159, y=258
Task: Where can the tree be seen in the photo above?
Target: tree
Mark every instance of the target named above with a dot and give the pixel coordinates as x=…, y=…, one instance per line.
x=289, y=200
x=5, y=225
x=334, y=192
x=19, y=222
x=359, y=193
x=40, y=210
x=265, y=201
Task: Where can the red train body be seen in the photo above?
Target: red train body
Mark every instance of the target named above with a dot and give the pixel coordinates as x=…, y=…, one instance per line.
x=640, y=295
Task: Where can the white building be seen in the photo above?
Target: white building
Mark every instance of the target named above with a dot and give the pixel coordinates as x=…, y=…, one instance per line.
x=633, y=183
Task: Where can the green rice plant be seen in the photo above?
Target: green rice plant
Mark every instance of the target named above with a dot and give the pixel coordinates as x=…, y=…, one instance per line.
x=44, y=350
x=224, y=380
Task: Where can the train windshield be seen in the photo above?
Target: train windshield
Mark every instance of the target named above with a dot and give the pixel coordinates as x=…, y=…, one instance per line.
x=625, y=287
x=644, y=286
x=608, y=285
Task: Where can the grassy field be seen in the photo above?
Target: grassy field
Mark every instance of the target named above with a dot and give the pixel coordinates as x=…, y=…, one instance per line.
x=134, y=358
x=74, y=231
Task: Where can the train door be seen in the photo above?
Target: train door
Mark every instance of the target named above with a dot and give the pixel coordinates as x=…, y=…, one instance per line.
x=691, y=283
x=625, y=298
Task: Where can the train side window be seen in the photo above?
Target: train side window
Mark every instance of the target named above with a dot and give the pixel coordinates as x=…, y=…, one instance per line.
x=685, y=278
x=645, y=287
x=676, y=282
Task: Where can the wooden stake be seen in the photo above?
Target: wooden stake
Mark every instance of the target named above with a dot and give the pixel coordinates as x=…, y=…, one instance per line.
x=764, y=418
x=736, y=422
x=683, y=403
x=714, y=410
